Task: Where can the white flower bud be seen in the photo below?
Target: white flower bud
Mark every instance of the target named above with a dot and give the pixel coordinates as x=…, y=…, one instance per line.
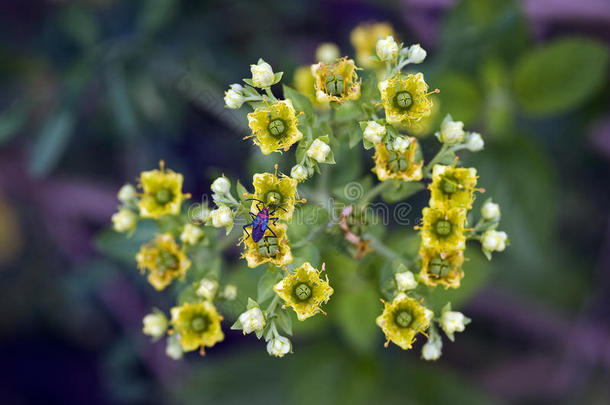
x=201, y=214
x=154, y=324
x=191, y=234
x=252, y=320
x=432, y=349
x=474, y=142
x=453, y=321
x=490, y=211
x=494, y=241
x=299, y=173
x=234, y=97
x=374, y=132
x=262, y=74
x=387, y=49
x=230, y=292
x=222, y=217
x=327, y=52
x=125, y=220
x=318, y=150
x=405, y=281
x=452, y=132
x=221, y=186
x=127, y=193
x=207, y=289
x=401, y=144
x=173, y=349
x=416, y=54
x=279, y=346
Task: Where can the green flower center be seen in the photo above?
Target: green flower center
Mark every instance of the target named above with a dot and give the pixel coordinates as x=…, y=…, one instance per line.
x=397, y=162
x=302, y=291
x=335, y=85
x=442, y=227
x=403, y=100
x=166, y=261
x=403, y=318
x=199, y=324
x=439, y=267
x=268, y=247
x=449, y=185
x=276, y=127
x=163, y=196
x=273, y=198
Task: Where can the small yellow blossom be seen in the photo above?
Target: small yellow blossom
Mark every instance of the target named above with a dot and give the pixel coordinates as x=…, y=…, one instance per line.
x=274, y=127
x=304, y=291
x=278, y=193
x=406, y=166
x=164, y=260
x=405, y=99
x=336, y=81
x=364, y=40
x=439, y=267
x=270, y=249
x=304, y=83
x=443, y=229
x=197, y=325
x=452, y=187
x=402, y=319
x=162, y=193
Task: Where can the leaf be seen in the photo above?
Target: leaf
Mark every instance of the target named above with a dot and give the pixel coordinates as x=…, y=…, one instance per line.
x=356, y=312
x=51, y=142
x=402, y=191
x=265, y=285
x=369, y=89
x=561, y=75
x=241, y=190
x=459, y=96
x=300, y=102
x=277, y=77
x=284, y=321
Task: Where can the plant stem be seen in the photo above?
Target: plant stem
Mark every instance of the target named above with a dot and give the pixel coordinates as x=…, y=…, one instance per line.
x=374, y=192
x=384, y=250
x=441, y=154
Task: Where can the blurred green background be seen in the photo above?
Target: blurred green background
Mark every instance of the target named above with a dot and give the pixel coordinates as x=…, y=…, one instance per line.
x=95, y=91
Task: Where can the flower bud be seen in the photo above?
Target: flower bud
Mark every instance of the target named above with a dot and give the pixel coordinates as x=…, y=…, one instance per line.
x=127, y=193
x=222, y=217
x=401, y=144
x=416, y=54
x=201, y=214
x=490, y=211
x=230, y=292
x=327, y=52
x=474, y=142
x=125, y=220
x=262, y=74
x=494, y=241
x=432, y=349
x=374, y=132
x=252, y=320
x=299, y=173
x=387, y=49
x=173, y=349
x=405, y=281
x=155, y=324
x=234, y=97
x=207, y=289
x=221, y=186
x=279, y=346
x=452, y=132
x=318, y=150
x=191, y=234
x=453, y=321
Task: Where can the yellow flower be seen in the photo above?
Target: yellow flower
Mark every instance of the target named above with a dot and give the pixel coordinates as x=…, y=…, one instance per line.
x=452, y=187
x=162, y=193
x=402, y=319
x=443, y=229
x=364, y=40
x=304, y=84
x=274, y=127
x=279, y=194
x=164, y=260
x=270, y=249
x=336, y=81
x=405, y=99
x=304, y=291
x=197, y=325
x=406, y=166
x=438, y=267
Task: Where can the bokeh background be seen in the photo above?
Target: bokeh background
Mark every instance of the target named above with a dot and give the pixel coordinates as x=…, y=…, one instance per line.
x=94, y=91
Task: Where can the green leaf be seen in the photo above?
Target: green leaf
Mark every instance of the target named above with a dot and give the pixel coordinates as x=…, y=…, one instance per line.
x=369, y=90
x=401, y=191
x=241, y=190
x=277, y=77
x=459, y=96
x=560, y=75
x=284, y=321
x=265, y=285
x=51, y=142
x=356, y=312
x=300, y=102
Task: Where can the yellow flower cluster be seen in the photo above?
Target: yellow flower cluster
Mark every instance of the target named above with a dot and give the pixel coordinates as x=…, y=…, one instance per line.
x=336, y=81
x=394, y=164
x=197, y=325
x=164, y=260
x=274, y=127
x=405, y=100
x=402, y=319
x=161, y=193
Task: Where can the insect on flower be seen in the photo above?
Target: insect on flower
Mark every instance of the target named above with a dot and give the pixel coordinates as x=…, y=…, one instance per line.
x=260, y=221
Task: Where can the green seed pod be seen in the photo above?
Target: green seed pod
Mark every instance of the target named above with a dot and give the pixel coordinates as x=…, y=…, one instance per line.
x=335, y=85
x=403, y=100
x=198, y=324
x=166, y=261
x=442, y=227
x=449, y=185
x=438, y=266
x=163, y=196
x=302, y=292
x=276, y=127
x=403, y=319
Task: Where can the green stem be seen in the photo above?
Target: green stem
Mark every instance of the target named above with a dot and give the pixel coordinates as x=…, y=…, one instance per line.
x=384, y=250
x=440, y=155
x=270, y=93
x=374, y=192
